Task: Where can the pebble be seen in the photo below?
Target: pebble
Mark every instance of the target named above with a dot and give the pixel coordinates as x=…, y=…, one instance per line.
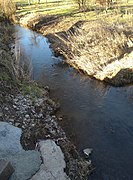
x=15, y=107
x=60, y=118
x=11, y=120
x=40, y=115
x=47, y=88
x=28, y=120
x=1, y=114
x=17, y=124
x=33, y=111
x=10, y=123
x=27, y=116
x=24, y=99
x=89, y=162
x=6, y=108
x=15, y=100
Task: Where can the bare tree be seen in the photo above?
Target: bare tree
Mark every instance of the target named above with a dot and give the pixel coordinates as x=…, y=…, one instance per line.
x=29, y=2
x=82, y=4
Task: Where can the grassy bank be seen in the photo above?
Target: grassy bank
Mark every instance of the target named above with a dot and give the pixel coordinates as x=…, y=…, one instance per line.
x=8, y=73
x=98, y=49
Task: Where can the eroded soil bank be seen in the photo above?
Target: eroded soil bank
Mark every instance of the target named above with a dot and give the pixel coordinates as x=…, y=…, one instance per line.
x=102, y=51
x=26, y=105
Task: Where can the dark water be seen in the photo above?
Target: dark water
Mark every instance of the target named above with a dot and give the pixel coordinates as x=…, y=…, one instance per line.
x=95, y=115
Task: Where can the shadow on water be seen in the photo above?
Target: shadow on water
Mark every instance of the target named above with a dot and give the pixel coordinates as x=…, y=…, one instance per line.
x=95, y=115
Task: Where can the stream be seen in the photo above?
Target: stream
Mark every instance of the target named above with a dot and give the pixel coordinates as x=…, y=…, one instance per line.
x=95, y=115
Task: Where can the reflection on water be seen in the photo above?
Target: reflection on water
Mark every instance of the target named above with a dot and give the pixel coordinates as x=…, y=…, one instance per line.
x=95, y=115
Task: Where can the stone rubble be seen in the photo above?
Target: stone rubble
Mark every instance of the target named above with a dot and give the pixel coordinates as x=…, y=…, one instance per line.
x=36, y=117
x=28, y=114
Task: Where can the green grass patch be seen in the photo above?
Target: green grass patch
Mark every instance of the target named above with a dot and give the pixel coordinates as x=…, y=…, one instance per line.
x=32, y=89
x=46, y=8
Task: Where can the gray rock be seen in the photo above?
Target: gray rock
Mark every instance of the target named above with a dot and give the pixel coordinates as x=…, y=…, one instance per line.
x=88, y=162
x=1, y=114
x=6, y=169
x=11, y=120
x=15, y=100
x=25, y=163
x=54, y=164
x=9, y=138
x=40, y=115
x=87, y=151
x=60, y=118
x=47, y=88
x=14, y=106
x=23, y=127
x=6, y=108
x=33, y=111
x=33, y=125
x=27, y=116
x=17, y=124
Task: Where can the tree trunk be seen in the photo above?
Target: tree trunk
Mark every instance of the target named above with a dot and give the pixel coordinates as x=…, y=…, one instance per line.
x=29, y=2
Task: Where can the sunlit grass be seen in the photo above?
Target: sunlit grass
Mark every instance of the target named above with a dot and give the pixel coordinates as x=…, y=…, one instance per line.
x=46, y=7
x=121, y=12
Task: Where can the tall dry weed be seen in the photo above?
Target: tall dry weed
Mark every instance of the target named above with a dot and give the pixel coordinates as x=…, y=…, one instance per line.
x=7, y=8
x=94, y=45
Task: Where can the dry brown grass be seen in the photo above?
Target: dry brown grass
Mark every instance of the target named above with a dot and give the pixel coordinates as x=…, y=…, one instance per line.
x=23, y=64
x=11, y=70
x=98, y=49
x=6, y=59
x=7, y=8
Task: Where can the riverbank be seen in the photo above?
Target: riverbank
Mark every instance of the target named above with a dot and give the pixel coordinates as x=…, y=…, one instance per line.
x=26, y=105
x=99, y=49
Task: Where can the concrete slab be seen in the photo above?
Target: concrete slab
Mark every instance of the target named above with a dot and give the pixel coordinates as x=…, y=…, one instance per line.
x=25, y=163
x=53, y=162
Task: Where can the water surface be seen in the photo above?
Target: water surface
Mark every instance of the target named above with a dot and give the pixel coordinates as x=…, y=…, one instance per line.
x=96, y=115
